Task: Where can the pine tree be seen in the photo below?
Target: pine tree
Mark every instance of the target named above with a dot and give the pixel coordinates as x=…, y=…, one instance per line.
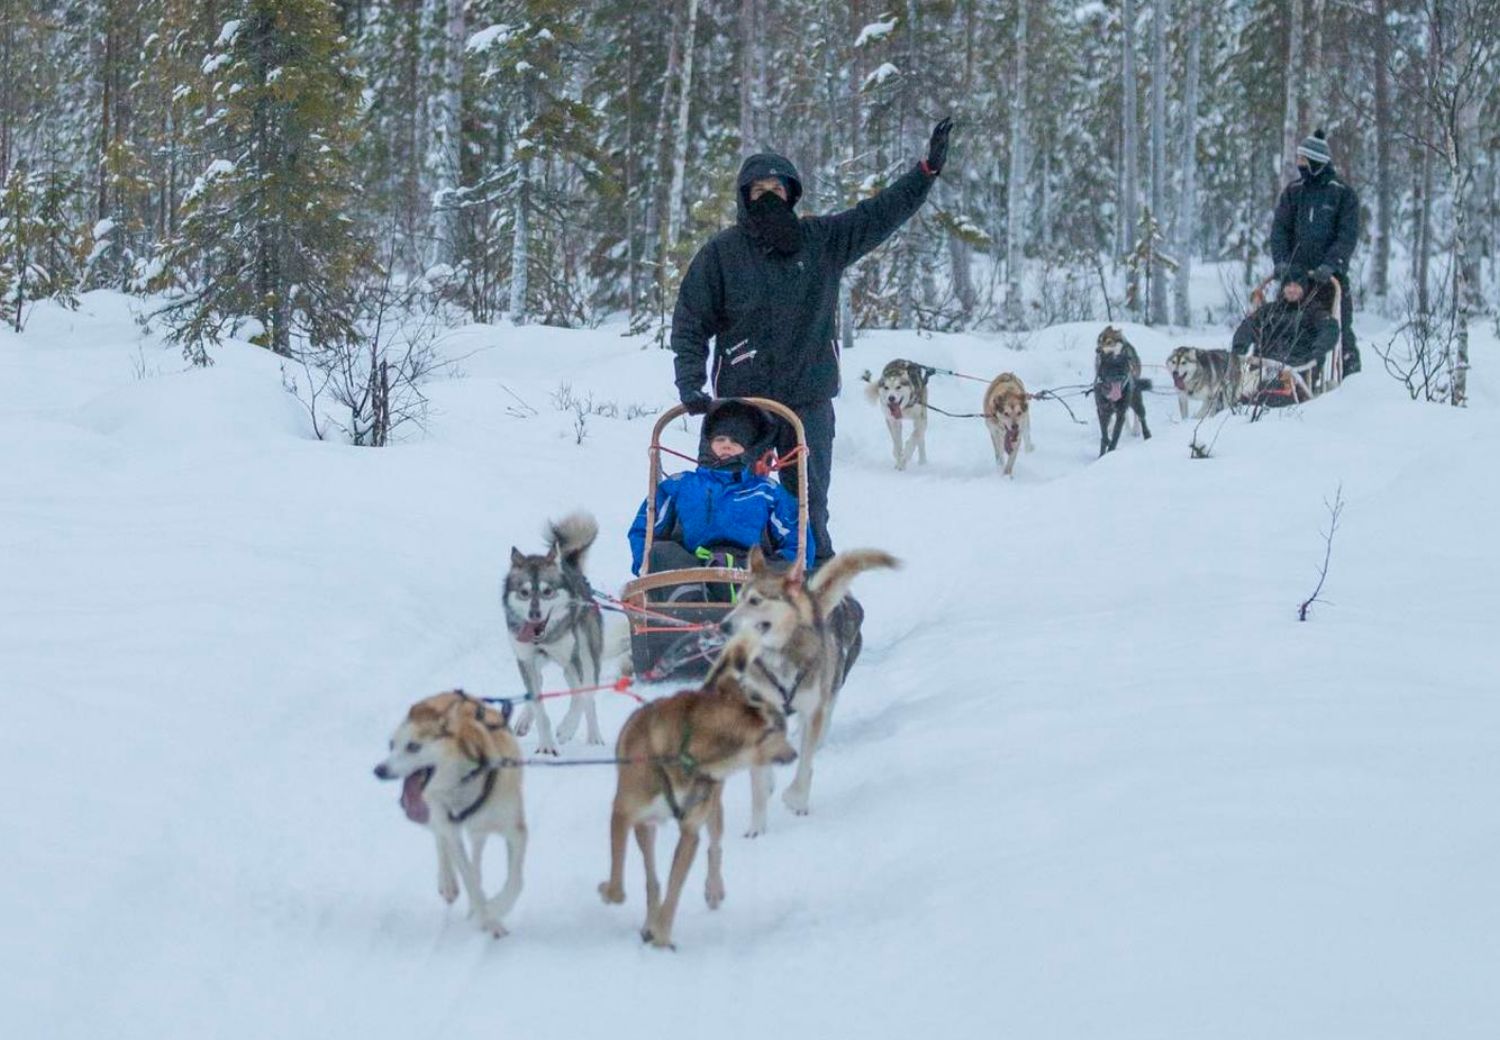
x=264, y=234
x=39, y=241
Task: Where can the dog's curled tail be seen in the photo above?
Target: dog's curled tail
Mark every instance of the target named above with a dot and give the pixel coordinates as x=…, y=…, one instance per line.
x=572, y=536
x=830, y=582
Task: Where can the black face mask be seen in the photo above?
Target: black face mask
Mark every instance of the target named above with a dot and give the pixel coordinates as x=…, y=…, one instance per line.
x=1311, y=171
x=773, y=223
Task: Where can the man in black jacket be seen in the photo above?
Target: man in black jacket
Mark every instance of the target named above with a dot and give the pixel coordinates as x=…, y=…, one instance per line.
x=766, y=291
x=1315, y=230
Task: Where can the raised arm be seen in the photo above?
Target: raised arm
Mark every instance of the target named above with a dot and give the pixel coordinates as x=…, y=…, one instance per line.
x=854, y=232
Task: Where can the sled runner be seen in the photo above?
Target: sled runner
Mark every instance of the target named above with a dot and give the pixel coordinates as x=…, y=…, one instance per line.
x=672, y=636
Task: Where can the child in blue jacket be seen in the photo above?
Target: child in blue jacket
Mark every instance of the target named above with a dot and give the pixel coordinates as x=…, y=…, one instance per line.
x=716, y=513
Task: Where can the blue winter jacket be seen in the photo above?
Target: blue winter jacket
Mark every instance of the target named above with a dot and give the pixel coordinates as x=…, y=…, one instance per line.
x=721, y=506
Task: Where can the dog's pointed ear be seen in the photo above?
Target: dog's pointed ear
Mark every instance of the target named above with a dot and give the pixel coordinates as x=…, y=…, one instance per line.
x=757, y=560
x=516, y=558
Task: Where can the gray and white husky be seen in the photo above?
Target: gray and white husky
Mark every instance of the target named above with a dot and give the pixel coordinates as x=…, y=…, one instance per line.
x=551, y=615
x=1215, y=377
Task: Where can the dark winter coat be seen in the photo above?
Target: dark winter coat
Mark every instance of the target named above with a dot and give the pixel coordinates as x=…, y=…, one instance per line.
x=773, y=318
x=721, y=506
x=1293, y=333
x=1316, y=222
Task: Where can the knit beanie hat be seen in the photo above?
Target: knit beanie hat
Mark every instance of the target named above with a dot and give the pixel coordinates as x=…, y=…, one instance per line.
x=747, y=424
x=1315, y=149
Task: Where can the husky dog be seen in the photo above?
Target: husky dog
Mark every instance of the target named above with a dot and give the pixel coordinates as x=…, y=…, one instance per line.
x=1214, y=377
x=901, y=391
x=1007, y=413
x=809, y=638
x=674, y=755
x=457, y=762
x=551, y=615
x=1118, y=386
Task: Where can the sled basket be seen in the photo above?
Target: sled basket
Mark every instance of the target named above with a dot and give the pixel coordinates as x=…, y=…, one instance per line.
x=668, y=639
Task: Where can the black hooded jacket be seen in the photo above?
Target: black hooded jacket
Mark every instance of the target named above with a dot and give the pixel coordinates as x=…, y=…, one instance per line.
x=1316, y=222
x=773, y=318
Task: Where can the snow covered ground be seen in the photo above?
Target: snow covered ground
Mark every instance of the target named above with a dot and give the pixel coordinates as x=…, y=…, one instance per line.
x=1091, y=778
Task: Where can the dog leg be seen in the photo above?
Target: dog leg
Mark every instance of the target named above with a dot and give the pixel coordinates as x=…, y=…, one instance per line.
x=682, y=860
x=798, y=795
x=447, y=879
x=762, y=783
x=515, y=857
x=469, y=873
x=531, y=676
x=997, y=440
x=645, y=837
x=713, y=890
x=1026, y=431
x=919, y=433
x=1104, y=415
x=613, y=890
x=1010, y=461
x=1182, y=404
x=893, y=426
x=1138, y=405
x=1114, y=439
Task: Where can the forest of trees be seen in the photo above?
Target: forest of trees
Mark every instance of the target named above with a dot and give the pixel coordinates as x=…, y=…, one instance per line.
x=278, y=168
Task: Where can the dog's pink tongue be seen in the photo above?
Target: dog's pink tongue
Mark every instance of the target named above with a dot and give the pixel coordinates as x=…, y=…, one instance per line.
x=412, y=801
x=1116, y=391
x=894, y=409
x=1178, y=381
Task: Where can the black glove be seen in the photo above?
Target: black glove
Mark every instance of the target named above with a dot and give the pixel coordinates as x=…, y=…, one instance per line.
x=1322, y=273
x=937, y=147
x=696, y=402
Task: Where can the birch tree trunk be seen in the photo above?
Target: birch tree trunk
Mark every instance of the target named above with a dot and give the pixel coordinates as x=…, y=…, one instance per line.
x=1157, y=276
x=680, y=137
x=1015, y=226
x=1291, y=116
x=748, y=20
x=1187, y=205
x=1130, y=139
x=1315, y=68
x=1380, y=276
x=446, y=160
x=1458, y=185
x=1422, y=233
x=520, y=250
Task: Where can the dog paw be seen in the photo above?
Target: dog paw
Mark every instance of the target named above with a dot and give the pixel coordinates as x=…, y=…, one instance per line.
x=795, y=800
x=493, y=927
x=566, y=730
x=523, y=724
x=713, y=893
x=660, y=942
x=755, y=831
x=596, y=739
x=611, y=893
x=448, y=889
x=547, y=749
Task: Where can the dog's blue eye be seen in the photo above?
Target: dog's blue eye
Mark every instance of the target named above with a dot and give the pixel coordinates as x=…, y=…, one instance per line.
x=413, y=747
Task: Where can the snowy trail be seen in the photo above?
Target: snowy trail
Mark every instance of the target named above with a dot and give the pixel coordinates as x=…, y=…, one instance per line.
x=1090, y=779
